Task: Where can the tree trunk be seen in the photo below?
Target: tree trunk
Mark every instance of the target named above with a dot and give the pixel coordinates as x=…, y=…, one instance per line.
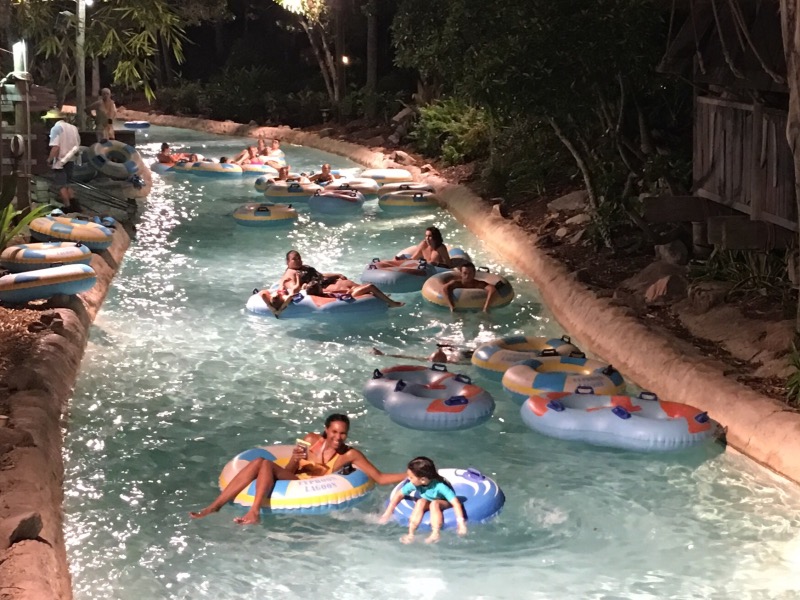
x=321, y=60
x=338, y=42
x=791, y=46
x=95, y=77
x=370, y=89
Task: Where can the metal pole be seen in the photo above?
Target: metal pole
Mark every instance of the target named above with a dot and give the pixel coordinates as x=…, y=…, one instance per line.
x=80, y=60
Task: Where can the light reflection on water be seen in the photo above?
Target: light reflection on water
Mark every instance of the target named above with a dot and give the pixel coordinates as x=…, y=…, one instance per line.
x=177, y=379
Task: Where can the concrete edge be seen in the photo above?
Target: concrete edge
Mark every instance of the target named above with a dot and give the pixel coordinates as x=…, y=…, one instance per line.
x=757, y=426
x=33, y=480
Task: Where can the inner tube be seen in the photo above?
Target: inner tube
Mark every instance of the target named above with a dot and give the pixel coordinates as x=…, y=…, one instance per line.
x=305, y=305
x=480, y=496
x=18, y=288
x=264, y=215
x=300, y=496
x=114, y=159
x=259, y=170
x=398, y=277
x=137, y=124
x=553, y=373
x=31, y=257
x=207, y=168
x=92, y=235
x=408, y=200
x=84, y=172
x=336, y=202
x=368, y=187
x=406, y=185
x=429, y=399
x=644, y=423
x=291, y=189
x=383, y=176
x=494, y=358
x=468, y=299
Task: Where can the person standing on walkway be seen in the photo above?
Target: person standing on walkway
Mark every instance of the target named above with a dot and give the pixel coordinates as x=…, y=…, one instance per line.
x=65, y=141
x=105, y=111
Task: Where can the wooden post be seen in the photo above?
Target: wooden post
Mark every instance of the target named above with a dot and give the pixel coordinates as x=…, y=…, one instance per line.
x=22, y=123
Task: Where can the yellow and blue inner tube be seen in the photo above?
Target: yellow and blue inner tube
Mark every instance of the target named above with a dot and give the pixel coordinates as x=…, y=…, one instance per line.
x=383, y=176
x=494, y=358
x=43, y=255
x=114, y=159
x=292, y=189
x=304, y=496
x=554, y=373
x=255, y=214
x=92, y=235
x=408, y=200
x=18, y=288
x=468, y=299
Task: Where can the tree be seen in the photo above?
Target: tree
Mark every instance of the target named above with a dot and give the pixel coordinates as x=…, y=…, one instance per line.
x=128, y=34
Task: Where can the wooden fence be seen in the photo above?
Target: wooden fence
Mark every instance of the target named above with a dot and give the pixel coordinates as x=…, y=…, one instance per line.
x=742, y=160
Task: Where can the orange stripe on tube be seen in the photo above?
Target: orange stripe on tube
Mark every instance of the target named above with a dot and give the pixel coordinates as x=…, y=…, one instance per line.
x=675, y=410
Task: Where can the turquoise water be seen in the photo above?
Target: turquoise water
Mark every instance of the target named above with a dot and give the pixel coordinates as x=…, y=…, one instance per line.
x=177, y=379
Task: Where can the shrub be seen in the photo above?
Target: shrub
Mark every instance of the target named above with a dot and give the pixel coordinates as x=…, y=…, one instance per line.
x=452, y=130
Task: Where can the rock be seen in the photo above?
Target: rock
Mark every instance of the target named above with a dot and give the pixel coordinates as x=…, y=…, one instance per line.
x=562, y=232
x=325, y=132
x=378, y=140
x=404, y=115
x=571, y=201
x=427, y=168
x=548, y=222
x=253, y=123
x=393, y=139
x=19, y=527
x=669, y=288
x=628, y=299
x=580, y=219
x=22, y=378
x=705, y=295
x=577, y=237
x=548, y=240
x=404, y=158
x=11, y=438
x=650, y=274
x=675, y=252
x=36, y=326
x=498, y=211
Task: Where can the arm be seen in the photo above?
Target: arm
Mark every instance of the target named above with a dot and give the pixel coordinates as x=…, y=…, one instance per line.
x=387, y=514
x=360, y=461
x=461, y=520
x=291, y=282
x=300, y=453
x=447, y=290
x=420, y=251
x=490, y=293
x=441, y=256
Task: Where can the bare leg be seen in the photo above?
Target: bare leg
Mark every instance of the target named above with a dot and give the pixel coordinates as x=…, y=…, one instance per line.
x=242, y=479
x=416, y=518
x=436, y=520
x=265, y=481
x=368, y=288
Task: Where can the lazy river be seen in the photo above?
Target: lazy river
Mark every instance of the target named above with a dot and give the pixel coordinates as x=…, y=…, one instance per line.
x=177, y=379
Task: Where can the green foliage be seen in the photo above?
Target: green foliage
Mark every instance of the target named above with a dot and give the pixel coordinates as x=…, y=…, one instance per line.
x=13, y=221
x=185, y=98
x=751, y=272
x=793, y=381
x=453, y=131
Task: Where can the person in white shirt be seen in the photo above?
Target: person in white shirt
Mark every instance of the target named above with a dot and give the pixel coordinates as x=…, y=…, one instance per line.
x=65, y=141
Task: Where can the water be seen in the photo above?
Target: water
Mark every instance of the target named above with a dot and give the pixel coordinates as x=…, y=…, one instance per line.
x=177, y=379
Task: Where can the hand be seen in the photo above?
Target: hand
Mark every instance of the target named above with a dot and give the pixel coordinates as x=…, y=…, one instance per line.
x=299, y=452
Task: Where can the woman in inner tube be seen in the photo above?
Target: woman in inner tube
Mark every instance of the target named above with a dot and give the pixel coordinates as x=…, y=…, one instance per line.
x=326, y=454
x=431, y=248
x=305, y=277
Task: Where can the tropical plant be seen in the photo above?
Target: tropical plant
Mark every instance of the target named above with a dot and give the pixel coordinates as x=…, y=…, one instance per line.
x=452, y=130
x=13, y=221
x=793, y=381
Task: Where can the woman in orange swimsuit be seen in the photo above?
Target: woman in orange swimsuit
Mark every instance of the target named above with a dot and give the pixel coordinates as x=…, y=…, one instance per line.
x=327, y=454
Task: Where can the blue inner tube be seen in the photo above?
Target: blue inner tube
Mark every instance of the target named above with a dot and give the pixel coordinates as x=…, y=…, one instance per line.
x=137, y=124
x=481, y=497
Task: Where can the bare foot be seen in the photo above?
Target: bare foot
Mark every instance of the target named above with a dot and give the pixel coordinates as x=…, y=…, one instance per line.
x=248, y=519
x=407, y=539
x=432, y=538
x=395, y=304
x=204, y=513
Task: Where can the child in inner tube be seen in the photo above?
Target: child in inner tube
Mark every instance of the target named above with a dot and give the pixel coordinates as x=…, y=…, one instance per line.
x=467, y=281
x=305, y=277
x=435, y=494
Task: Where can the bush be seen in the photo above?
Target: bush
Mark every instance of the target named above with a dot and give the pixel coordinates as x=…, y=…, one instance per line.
x=182, y=99
x=453, y=131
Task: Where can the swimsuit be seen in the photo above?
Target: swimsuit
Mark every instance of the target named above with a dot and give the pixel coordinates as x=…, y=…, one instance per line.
x=318, y=469
x=436, y=490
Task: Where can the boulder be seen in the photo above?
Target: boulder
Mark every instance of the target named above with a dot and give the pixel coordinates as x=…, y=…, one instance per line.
x=404, y=158
x=705, y=295
x=571, y=201
x=650, y=274
x=675, y=252
x=562, y=232
x=325, y=132
x=580, y=219
x=666, y=290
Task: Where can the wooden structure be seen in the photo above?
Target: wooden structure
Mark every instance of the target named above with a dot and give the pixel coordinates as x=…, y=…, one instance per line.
x=743, y=191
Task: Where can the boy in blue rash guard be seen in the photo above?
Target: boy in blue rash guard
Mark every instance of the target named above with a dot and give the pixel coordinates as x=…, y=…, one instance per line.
x=435, y=494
